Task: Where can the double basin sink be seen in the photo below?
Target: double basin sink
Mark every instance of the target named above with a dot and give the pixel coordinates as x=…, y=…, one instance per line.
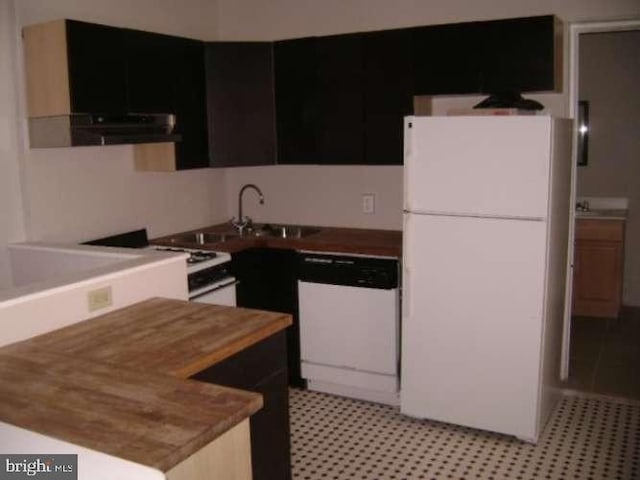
x=255, y=231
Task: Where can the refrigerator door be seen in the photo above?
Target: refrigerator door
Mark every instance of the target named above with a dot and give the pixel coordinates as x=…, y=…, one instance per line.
x=472, y=321
x=487, y=166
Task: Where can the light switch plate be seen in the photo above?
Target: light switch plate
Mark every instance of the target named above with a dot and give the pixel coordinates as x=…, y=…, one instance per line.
x=99, y=298
x=368, y=203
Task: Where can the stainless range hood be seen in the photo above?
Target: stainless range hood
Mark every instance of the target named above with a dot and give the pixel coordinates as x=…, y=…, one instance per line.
x=97, y=129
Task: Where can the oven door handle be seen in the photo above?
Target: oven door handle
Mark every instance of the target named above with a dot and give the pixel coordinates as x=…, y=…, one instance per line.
x=218, y=286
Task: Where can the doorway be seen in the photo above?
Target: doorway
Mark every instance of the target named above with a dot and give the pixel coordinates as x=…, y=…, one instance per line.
x=593, y=338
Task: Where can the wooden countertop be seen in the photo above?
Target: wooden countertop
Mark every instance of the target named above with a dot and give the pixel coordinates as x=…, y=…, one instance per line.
x=602, y=214
x=118, y=383
x=328, y=239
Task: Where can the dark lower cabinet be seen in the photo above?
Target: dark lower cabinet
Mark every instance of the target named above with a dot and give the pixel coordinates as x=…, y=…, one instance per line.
x=262, y=368
x=268, y=281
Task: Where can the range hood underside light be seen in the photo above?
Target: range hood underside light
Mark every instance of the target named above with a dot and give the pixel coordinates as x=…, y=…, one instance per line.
x=86, y=130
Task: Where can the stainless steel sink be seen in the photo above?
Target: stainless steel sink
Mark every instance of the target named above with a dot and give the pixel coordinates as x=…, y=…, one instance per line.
x=280, y=231
x=202, y=238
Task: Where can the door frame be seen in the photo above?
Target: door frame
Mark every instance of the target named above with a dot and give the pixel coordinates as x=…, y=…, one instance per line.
x=575, y=30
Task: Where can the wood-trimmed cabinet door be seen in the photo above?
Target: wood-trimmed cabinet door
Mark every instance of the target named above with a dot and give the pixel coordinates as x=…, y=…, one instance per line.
x=74, y=67
x=598, y=268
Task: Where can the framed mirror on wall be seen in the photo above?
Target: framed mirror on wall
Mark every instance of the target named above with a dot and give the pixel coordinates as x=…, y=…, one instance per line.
x=583, y=132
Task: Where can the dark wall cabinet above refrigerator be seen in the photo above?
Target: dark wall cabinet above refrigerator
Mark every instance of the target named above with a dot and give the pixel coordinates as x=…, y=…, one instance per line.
x=341, y=99
x=519, y=54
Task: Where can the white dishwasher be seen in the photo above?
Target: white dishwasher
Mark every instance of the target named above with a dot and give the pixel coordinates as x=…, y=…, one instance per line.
x=349, y=310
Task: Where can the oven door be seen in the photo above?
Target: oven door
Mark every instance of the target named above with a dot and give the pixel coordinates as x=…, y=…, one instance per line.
x=218, y=293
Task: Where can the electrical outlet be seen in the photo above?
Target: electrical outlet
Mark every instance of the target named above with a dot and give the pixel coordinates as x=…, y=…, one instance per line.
x=99, y=298
x=368, y=203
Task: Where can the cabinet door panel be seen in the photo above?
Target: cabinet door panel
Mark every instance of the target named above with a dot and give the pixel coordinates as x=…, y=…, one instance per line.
x=151, y=59
x=96, y=68
x=270, y=449
x=340, y=127
x=240, y=101
x=296, y=101
x=166, y=75
x=518, y=55
x=597, y=280
x=447, y=59
x=189, y=103
x=388, y=94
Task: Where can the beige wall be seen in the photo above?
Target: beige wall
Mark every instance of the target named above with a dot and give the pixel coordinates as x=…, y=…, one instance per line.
x=609, y=79
x=316, y=195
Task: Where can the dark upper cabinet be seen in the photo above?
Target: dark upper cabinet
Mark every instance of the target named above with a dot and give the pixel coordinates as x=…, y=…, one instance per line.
x=340, y=99
x=387, y=94
x=296, y=100
x=166, y=74
x=189, y=103
x=519, y=54
x=97, y=82
x=339, y=94
x=446, y=59
x=150, y=62
x=78, y=67
x=240, y=103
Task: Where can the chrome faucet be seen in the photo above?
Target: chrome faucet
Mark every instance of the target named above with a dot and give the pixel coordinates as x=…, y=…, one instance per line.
x=243, y=222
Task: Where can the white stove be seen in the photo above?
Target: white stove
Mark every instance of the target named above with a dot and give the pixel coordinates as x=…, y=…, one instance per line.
x=208, y=272
x=198, y=259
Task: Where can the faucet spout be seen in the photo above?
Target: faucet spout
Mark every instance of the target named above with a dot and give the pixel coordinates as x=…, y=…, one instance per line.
x=242, y=221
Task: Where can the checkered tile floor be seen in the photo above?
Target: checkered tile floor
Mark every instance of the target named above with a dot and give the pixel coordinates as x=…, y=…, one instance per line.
x=334, y=438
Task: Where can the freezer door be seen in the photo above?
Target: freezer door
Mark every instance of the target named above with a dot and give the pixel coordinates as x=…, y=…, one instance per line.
x=472, y=320
x=493, y=166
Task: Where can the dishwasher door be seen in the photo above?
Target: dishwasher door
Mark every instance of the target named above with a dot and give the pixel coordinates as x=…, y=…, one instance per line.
x=349, y=335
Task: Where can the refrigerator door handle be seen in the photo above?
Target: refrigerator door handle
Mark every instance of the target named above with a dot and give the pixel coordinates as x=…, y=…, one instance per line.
x=406, y=294
x=406, y=262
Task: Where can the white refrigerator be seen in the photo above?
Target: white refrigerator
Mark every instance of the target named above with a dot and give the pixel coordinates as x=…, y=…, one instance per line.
x=486, y=221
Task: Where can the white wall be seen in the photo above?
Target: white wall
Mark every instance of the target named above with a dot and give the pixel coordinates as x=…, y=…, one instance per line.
x=609, y=79
x=11, y=222
x=315, y=195
x=74, y=194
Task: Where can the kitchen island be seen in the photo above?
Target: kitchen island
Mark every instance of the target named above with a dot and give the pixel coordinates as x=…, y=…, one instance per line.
x=118, y=384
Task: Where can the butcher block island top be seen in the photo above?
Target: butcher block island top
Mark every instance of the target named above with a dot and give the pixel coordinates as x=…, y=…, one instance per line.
x=119, y=383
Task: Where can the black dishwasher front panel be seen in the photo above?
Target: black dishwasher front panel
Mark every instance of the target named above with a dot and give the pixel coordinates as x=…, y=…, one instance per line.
x=348, y=270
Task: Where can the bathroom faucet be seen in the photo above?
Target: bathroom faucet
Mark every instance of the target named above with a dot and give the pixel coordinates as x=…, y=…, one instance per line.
x=242, y=222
